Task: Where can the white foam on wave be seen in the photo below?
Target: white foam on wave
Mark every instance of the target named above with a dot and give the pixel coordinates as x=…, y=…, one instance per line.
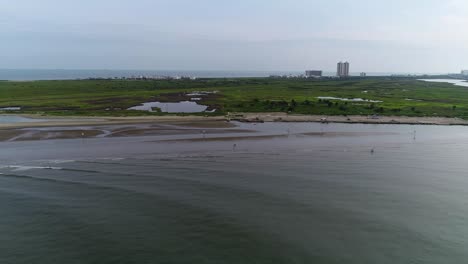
x=113, y=159
x=26, y=168
x=61, y=161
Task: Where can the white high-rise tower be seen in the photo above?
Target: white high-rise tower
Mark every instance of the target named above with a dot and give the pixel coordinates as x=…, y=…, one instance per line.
x=342, y=69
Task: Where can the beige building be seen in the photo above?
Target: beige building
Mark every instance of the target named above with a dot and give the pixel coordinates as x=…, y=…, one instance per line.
x=342, y=69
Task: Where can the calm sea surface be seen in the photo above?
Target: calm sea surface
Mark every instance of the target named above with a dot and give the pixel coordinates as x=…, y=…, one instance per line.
x=28, y=75
x=293, y=199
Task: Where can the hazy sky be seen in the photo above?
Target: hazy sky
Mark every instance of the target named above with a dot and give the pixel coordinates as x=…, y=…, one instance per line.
x=374, y=35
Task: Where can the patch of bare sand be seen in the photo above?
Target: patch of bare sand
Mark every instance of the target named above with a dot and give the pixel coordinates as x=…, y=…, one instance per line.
x=283, y=117
x=55, y=134
x=220, y=122
x=8, y=134
x=23, y=134
x=103, y=121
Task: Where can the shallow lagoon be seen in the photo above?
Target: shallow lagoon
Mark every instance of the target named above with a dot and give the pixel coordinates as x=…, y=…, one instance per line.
x=180, y=107
x=452, y=81
x=7, y=119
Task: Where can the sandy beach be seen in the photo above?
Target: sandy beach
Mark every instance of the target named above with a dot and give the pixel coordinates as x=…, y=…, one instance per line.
x=91, y=127
x=53, y=121
x=283, y=117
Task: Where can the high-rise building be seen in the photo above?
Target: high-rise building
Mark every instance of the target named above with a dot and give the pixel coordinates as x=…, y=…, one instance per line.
x=342, y=69
x=464, y=72
x=346, y=64
x=313, y=74
x=363, y=74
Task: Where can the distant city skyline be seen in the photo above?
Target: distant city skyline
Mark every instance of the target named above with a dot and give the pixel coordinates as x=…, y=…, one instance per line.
x=255, y=35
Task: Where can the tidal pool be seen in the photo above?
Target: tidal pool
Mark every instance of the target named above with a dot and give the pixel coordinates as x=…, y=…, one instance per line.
x=348, y=99
x=180, y=107
x=7, y=119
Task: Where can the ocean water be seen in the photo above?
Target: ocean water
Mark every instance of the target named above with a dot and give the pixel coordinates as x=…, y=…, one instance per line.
x=34, y=74
x=298, y=198
x=452, y=81
x=28, y=75
x=9, y=119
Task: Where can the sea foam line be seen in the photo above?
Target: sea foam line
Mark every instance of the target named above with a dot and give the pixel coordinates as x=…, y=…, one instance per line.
x=26, y=168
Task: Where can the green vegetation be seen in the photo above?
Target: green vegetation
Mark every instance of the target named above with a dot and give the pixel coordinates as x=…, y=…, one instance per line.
x=399, y=96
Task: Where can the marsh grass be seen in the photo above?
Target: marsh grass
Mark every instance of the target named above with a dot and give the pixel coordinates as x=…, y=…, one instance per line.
x=399, y=96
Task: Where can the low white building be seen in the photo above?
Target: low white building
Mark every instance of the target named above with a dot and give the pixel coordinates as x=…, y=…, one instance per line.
x=313, y=74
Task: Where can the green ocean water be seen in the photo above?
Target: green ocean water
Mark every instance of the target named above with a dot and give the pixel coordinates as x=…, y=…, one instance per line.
x=283, y=200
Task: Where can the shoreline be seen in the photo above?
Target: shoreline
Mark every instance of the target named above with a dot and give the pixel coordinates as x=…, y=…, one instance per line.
x=70, y=121
x=65, y=121
x=351, y=119
x=48, y=128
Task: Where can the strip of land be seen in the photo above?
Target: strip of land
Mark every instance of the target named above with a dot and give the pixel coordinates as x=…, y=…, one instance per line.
x=83, y=128
x=282, y=117
x=225, y=121
x=93, y=127
x=384, y=96
x=54, y=121
x=100, y=108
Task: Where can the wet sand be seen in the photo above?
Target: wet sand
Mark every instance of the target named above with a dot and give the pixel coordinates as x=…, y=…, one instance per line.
x=91, y=127
x=223, y=121
x=283, y=117
x=67, y=131
x=102, y=121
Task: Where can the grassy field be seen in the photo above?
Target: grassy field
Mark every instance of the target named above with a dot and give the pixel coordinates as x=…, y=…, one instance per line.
x=399, y=96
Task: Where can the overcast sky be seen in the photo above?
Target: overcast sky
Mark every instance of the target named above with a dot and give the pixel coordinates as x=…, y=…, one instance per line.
x=374, y=35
